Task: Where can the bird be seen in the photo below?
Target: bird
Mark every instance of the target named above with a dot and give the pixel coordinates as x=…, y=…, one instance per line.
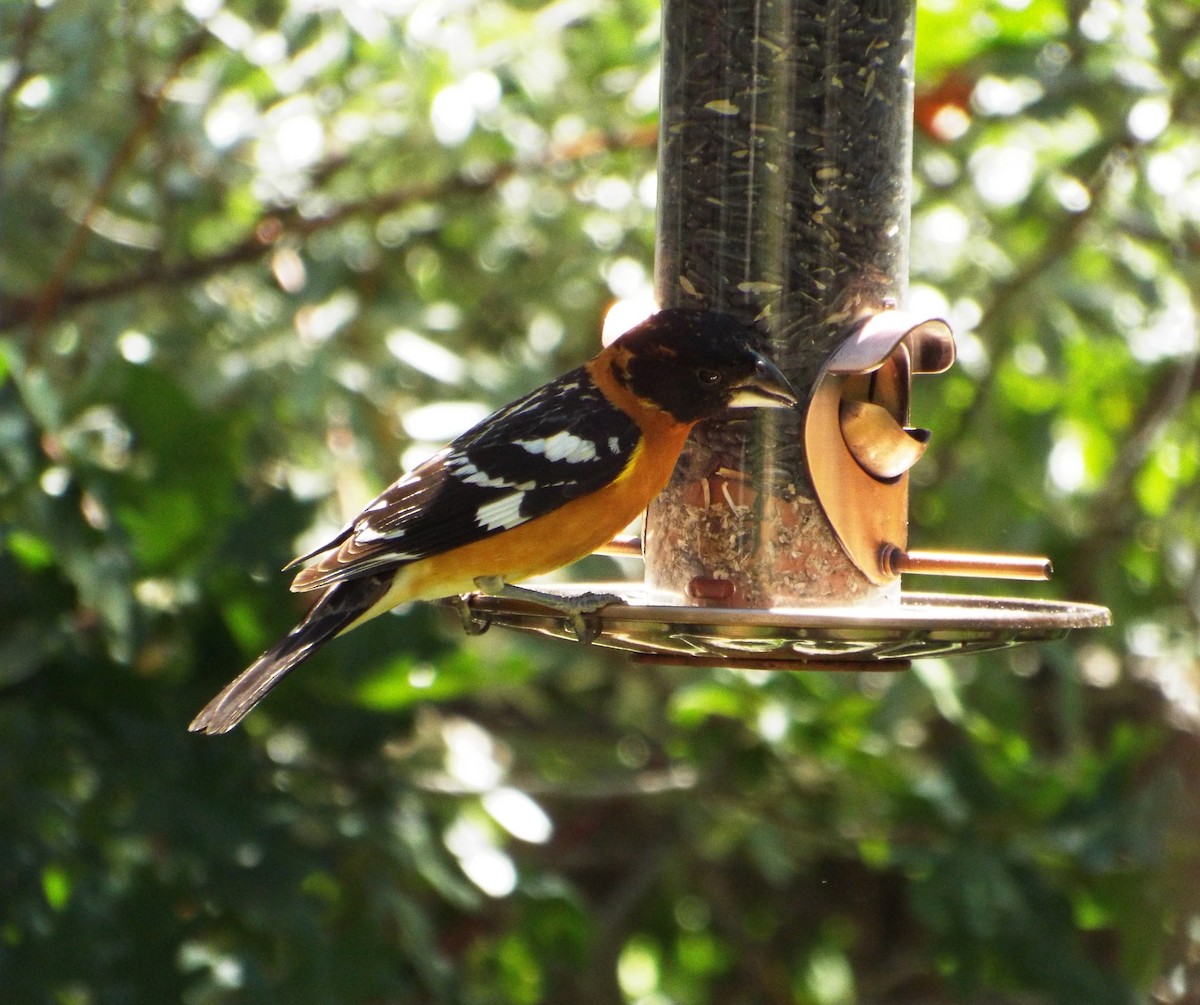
x=536, y=485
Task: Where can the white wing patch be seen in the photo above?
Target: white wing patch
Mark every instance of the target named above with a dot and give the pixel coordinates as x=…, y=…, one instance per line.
x=469, y=474
x=501, y=514
x=562, y=446
x=364, y=533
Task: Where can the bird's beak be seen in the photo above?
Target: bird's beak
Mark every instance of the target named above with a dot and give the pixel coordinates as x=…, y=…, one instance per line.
x=767, y=388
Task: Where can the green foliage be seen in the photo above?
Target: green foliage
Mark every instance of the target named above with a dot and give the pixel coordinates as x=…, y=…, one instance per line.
x=244, y=247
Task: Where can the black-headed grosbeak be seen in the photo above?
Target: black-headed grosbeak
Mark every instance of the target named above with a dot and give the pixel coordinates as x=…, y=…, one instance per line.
x=535, y=486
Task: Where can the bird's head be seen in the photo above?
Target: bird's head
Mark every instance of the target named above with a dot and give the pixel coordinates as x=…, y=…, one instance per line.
x=693, y=364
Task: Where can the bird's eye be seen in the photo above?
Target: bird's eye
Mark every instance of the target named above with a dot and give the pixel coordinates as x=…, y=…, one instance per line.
x=706, y=376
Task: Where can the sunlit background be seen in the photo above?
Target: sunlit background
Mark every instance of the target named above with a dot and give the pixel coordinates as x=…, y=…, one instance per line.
x=258, y=258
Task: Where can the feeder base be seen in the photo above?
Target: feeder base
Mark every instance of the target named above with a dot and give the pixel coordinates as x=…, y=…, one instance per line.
x=797, y=638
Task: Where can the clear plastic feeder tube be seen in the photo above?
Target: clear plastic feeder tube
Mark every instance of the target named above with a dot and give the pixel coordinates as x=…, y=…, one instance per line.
x=784, y=166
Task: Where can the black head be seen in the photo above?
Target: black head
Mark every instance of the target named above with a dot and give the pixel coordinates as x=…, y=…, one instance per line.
x=693, y=364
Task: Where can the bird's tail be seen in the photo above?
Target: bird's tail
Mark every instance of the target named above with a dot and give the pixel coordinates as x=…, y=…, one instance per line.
x=337, y=610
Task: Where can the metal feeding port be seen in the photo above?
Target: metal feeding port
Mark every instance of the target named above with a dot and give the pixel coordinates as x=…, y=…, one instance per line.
x=784, y=170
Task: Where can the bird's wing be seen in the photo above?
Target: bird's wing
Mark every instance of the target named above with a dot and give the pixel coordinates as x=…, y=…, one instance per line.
x=562, y=441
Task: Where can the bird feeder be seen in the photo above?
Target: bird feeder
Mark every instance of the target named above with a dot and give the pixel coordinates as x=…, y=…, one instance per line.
x=784, y=195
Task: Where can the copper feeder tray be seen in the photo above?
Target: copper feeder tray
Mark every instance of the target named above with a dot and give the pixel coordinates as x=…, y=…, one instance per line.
x=876, y=637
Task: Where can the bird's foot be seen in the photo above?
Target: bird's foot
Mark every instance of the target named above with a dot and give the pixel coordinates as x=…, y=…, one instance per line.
x=574, y=607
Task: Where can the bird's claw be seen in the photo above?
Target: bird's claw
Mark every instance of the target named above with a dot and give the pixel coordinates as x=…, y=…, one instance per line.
x=587, y=630
x=471, y=623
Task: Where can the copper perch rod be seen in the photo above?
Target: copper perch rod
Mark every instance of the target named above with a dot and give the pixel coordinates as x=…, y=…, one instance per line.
x=894, y=561
x=622, y=546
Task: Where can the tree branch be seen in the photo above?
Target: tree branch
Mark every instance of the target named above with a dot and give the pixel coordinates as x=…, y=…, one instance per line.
x=47, y=300
x=1165, y=400
x=1013, y=293
x=16, y=311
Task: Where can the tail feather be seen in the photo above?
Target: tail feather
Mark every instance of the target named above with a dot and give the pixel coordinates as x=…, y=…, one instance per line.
x=336, y=611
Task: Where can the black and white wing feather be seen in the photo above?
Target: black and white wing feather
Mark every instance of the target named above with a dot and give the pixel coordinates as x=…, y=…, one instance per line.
x=557, y=443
